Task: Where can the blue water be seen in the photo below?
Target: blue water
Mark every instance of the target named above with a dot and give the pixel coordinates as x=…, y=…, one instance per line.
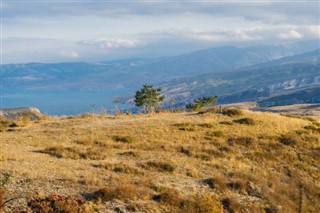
x=63, y=102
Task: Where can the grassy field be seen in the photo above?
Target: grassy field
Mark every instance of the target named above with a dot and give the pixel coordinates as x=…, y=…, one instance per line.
x=183, y=162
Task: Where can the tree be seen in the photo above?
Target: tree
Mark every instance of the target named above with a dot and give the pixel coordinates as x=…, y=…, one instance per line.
x=148, y=97
x=201, y=103
x=116, y=102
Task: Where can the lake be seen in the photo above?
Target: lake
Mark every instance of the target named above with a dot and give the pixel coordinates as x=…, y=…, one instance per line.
x=63, y=102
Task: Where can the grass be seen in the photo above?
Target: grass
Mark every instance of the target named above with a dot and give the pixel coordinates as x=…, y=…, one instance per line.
x=195, y=162
x=123, y=139
x=159, y=166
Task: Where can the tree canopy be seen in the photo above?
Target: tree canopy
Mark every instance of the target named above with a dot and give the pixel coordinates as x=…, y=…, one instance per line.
x=148, y=97
x=201, y=103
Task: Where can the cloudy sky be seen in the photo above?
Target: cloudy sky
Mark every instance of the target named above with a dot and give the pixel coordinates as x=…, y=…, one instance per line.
x=56, y=31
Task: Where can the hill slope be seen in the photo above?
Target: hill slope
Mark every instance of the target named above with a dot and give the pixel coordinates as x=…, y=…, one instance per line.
x=257, y=83
x=168, y=163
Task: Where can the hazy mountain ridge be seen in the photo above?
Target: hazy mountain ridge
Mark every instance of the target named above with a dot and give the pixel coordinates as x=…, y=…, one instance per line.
x=252, y=83
x=232, y=73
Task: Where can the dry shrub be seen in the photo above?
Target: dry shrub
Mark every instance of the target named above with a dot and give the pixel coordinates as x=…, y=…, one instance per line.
x=238, y=185
x=193, y=172
x=231, y=205
x=247, y=121
x=226, y=123
x=232, y=112
x=123, y=139
x=58, y=204
x=203, y=156
x=243, y=141
x=129, y=153
x=167, y=196
x=178, y=110
x=289, y=140
x=73, y=153
x=217, y=133
x=189, y=127
x=185, y=151
x=5, y=123
x=217, y=182
x=159, y=166
x=125, y=191
x=2, y=198
x=206, y=203
x=163, y=111
x=122, y=168
x=206, y=125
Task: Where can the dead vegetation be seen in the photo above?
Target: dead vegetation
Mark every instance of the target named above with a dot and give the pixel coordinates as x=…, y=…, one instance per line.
x=240, y=161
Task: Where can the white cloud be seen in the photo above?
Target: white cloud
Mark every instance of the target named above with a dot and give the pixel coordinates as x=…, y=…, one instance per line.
x=104, y=43
x=314, y=29
x=70, y=54
x=292, y=34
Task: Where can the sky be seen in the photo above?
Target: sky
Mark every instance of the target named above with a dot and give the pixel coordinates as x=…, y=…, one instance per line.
x=61, y=31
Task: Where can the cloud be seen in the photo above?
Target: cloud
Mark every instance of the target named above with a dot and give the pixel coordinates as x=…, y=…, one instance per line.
x=70, y=54
x=104, y=43
x=267, y=11
x=293, y=34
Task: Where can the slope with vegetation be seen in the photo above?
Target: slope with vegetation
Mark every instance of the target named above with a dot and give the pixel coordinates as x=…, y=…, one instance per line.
x=237, y=161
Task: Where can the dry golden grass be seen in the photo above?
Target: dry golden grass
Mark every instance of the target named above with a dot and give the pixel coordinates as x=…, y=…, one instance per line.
x=203, y=161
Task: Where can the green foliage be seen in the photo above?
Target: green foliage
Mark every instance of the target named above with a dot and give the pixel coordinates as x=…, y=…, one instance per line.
x=148, y=97
x=201, y=103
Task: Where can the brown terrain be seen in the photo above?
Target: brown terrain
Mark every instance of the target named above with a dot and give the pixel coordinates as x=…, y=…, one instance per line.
x=238, y=161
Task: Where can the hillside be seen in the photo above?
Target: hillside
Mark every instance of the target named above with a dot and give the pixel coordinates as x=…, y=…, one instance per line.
x=290, y=75
x=184, y=162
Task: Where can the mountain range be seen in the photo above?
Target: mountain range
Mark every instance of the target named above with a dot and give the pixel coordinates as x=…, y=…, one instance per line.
x=269, y=74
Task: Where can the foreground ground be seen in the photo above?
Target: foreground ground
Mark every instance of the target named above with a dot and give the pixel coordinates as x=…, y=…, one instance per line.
x=184, y=162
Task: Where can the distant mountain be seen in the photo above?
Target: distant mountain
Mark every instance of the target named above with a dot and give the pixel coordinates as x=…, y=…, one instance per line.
x=220, y=59
x=136, y=71
x=308, y=95
x=234, y=74
x=279, y=77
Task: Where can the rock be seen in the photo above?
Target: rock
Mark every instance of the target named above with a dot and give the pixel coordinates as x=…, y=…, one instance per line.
x=14, y=113
x=253, y=190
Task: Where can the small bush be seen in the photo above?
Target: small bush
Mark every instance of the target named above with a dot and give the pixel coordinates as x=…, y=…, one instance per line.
x=203, y=156
x=218, y=134
x=243, y=141
x=185, y=151
x=288, y=140
x=123, y=192
x=248, y=121
x=232, y=112
x=226, y=122
x=168, y=196
x=160, y=166
x=122, y=168
x=58, y=204
x=238, y=185
x=230, y=205
x=203, y=204
x=123, y=139
x=177, y=110
x=129, y=153
x=189, y=127
x=73, y=153
x=215, y=182
x=206, y=125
